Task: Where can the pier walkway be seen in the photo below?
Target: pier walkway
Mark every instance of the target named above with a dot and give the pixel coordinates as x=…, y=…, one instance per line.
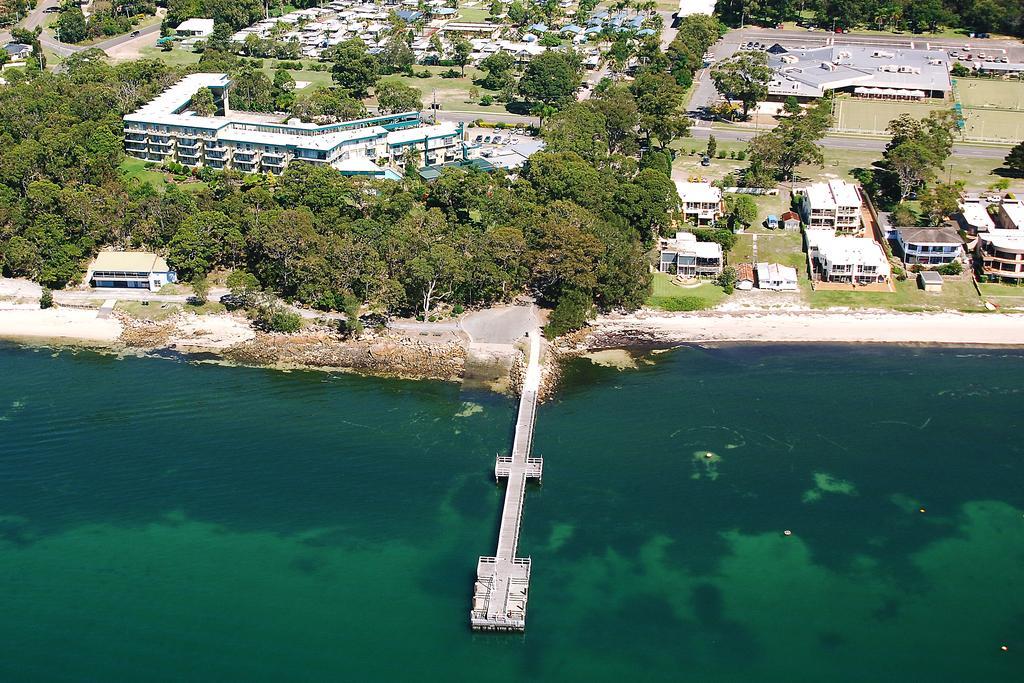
x=503, y=581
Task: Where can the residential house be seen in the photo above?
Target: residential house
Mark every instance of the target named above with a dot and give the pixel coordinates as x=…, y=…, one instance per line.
x=130, y=270
x=835, y=204
x=790, y=220
x=701, y=202
x=776, y=277
x=18, y=52
x=684, y=256
x=930, y=246
x=1002, y=254
x=1011, y=215
x=744, y=276
x=196, y=28
x=842, y=258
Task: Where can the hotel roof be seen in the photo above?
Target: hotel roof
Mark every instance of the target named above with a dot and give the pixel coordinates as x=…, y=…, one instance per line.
x=813, y=71
x=698, y=192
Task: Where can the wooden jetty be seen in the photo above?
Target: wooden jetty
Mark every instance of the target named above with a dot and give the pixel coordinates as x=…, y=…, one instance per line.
x=503, y=581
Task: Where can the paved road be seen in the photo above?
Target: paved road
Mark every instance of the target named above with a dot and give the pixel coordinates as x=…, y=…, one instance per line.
x=500, y=325
x=852, y=143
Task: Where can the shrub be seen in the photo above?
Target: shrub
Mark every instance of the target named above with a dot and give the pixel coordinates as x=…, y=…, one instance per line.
x=951, y=268
x=573, y=310
x=458, y=309
x=46, y=300
x=721, y=154
x=450, y=73
x=276, y=318
x=727, y=279
x=422, y=74
x=741, y=155
x=486, y=101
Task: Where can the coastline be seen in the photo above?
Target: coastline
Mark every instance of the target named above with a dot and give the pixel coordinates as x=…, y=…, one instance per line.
x=654, y=328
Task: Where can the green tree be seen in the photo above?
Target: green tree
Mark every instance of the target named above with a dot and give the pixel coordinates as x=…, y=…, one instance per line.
x=328, y=105
x=499, y=70
x=354, y=69
x=941, y=201
x=203, y=104
x=461, y=49
x=573, y=310
x=712, y=146
x=742, y=210
x=251, y=90
x=744, y=78
x=394, y=97
x=917, y=150
x=397, y=56
x=46, y=298
x=659, y=102
x=551, y=78
x=200, y=290
x=1015, y=159
x=71, y=26
x=578, y=128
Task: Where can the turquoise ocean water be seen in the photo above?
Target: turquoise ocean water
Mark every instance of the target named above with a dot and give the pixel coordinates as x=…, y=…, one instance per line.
x=164, y=521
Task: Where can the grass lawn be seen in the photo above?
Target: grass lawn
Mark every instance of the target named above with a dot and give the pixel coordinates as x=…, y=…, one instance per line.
x=452, y=93
x=986, y=92
x=872, y=116
x=136, y=168
x=1008, y=296
x=176, y=57
x=670, y=297
x=908, y=297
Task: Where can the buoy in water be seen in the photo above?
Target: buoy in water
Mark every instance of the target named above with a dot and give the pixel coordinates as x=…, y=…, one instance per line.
x=921, y=510
x=787, y=532
x=1003, y=648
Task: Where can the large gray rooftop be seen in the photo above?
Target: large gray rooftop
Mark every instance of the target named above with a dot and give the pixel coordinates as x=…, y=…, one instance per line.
x=812, y=72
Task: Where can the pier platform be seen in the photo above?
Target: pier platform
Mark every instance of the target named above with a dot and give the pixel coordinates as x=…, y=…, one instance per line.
x=503, y=580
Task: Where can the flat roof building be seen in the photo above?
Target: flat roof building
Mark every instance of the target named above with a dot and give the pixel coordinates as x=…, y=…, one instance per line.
x=835, y=204
x=974, y=218
x=811, y=72
x=777, y=277
x=841, y=258
x=130, y=270
x=166, y=129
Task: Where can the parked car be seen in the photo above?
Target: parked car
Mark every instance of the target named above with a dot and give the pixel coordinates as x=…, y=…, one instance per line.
x=1004, y=60
x=705, y=160
x=497, y=140
x=982, y=36
x=135, y=34
x=487, y=139
x=478, y=138
x=233, y=302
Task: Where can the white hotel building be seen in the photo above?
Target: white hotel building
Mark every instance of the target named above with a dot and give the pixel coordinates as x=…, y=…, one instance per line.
x=165, y=129
x=835, y=204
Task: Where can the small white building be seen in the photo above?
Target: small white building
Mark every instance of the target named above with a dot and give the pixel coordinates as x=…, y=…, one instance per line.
x=835, y=204
x=842, y=258
x=701, y=202
x=776, y=277
x=130, y=270
x=196, y=28
x=683, y=255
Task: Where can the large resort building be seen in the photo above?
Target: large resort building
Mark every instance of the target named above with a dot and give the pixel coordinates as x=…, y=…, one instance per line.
x=166, y=129
x=865, y=71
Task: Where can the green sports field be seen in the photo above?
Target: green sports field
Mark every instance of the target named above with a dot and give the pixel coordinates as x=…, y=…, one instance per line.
x=872, y=116
x=984, y=93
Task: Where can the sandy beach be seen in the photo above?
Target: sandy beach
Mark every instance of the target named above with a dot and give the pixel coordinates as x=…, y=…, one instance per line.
x=796, y=327
x=19, y=322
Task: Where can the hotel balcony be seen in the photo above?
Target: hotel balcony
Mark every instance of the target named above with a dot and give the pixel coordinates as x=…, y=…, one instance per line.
x=245, y=156
x=166, y=142
x=159, y=152
x=135, y=137
x=188, y=154
x=188, y=143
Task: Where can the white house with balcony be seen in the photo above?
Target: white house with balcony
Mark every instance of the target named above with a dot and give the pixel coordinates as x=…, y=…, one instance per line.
x=686, y=257
x=835, y=204
x=846, y=259
x=701, y=202
x=930, y=246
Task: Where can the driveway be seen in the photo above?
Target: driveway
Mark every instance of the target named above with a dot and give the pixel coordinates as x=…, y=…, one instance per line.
x=501, y=324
